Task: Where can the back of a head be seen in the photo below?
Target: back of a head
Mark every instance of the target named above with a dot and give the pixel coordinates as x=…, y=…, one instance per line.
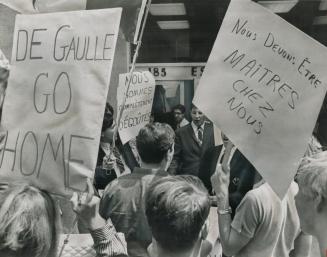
x=312, y=176
x=27, y=222
x=154, y=141
x=177, y=208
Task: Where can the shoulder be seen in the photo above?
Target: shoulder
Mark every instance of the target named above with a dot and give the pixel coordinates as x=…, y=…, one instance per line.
x=208, y=125
x=254, y=199
x=117, y=183
x=184, y=130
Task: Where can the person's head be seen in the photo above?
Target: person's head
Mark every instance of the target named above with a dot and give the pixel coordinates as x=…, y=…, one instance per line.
x=197, y=116
x=177, y=209
x=108, y=124
x=155, y=143
x=179, y=112
x=311, y=200
x=28, y=222
x=108, y=117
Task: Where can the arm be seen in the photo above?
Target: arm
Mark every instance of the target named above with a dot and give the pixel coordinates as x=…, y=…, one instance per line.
x=302, y=246
x=107, y=242
x=231, y=240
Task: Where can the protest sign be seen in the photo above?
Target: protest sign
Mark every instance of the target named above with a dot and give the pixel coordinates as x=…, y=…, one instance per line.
x=21, y=6
x=58, y=84
x=137, y=108
x=44, y=6
x=263, y=86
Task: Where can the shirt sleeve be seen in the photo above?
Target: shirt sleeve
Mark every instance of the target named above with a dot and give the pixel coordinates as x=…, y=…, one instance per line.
x=108, y=242
x=247, y=216
x=105, y=201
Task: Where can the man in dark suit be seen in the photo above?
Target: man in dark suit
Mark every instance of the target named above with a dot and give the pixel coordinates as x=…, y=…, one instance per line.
x=242, y=172
x=191, y=143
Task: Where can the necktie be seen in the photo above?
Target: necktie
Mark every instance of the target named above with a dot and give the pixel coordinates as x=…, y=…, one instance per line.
x=200, y=135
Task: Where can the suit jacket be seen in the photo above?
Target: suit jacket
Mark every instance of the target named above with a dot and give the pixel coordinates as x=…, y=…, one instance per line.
x=242, y=174
x=188, y=151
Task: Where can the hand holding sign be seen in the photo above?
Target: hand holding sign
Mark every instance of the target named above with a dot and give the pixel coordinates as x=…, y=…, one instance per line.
x=221, y=178
x=54, y=104
x=87, y=208
x=263, y=85
x=137, y=108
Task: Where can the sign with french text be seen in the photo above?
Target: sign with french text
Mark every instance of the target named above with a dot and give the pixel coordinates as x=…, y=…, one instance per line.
x=58, y=84
x=137, y=108
x=263, y=86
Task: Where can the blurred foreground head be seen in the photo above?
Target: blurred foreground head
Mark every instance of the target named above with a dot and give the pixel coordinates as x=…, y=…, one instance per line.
x=177, y=208
x=311, y=200
x=28, y=222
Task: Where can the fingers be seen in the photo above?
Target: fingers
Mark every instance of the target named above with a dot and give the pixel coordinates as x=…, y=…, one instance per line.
x=79, y=199
x=214, y=179
x=75, y=201
x=226, y=158
x=90, y=190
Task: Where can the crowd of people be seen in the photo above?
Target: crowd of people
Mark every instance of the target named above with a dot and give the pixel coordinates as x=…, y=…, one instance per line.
x=153, y=196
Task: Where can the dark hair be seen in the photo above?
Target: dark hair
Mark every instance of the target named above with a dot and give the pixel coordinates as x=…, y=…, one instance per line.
x=176, y=209
x=108, y=117
x=154, y=141
x=179, y=107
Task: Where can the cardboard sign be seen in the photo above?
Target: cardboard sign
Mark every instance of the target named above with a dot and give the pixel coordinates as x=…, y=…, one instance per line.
x=263, y=86
x=53, y=111
x=137, y=109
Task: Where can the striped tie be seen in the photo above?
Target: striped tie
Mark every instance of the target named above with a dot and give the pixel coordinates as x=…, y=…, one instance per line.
x=200, y=135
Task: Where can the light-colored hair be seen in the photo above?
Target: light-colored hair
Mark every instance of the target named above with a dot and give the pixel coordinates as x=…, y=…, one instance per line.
x=312, y=176
x=28, y=222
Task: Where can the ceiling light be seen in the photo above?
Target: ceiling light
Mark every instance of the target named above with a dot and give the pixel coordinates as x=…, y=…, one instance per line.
x=323, y=6
x=282, y=6
x=168, y=9
x=174, y=24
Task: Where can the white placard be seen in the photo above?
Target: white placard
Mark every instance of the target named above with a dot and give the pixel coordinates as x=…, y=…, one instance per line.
x=263, y=86
x=137, y=109
x=53, y=111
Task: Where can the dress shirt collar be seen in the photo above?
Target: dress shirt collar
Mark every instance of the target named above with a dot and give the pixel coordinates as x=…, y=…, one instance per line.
x=195, y=128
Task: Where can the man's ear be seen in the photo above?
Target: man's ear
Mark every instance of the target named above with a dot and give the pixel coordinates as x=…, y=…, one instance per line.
x=205, y=229
x=170, y=153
